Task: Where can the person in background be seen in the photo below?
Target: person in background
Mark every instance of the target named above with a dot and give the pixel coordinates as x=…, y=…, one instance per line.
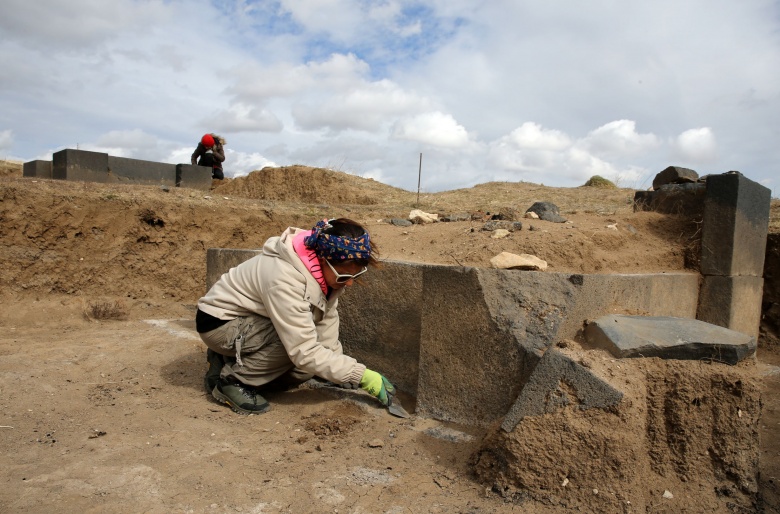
x=210, y=152
x=272, y=321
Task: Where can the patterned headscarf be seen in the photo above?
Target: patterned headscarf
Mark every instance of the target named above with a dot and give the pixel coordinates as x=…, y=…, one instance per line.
x=337, y=248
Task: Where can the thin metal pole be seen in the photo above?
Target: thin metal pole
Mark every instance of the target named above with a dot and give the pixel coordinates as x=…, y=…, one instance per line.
x=419, y=174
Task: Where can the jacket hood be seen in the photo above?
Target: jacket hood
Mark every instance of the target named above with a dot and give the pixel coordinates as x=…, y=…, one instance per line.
x=282, y=246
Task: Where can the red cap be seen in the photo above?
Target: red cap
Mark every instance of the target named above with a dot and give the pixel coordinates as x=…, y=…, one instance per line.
x=207, y=140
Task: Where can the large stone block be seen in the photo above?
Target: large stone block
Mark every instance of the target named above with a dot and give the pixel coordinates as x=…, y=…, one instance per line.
x=137, y=171
x=381, y=320
x=82, y=165
x=194, y=177
x=466, y=340
x=732, y=302
x=484, y=331
x=38, y=168
x=736, y=220
x=676, y=199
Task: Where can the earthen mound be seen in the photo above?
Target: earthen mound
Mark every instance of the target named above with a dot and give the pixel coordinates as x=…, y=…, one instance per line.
x=305, y=184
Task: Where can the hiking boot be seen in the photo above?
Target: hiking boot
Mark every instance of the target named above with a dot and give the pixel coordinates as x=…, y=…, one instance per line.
x=240, y=397
x=216, y=362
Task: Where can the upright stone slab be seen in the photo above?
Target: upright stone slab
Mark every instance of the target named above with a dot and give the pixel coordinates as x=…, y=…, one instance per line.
x=732, y=302
x=734, y=234
x=82, y=165
x=38, y=169
x=736, y=221
x=193, y=177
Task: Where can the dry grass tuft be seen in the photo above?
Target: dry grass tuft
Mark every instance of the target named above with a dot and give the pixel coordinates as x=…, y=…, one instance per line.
x=105, y=310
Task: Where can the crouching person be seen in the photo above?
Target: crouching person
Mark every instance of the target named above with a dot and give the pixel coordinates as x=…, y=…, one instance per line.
x=272, y=321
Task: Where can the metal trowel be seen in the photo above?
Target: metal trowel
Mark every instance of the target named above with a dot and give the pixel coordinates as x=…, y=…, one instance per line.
x=395, y=408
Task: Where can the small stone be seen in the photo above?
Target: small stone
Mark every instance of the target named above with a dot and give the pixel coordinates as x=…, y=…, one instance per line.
x=565, y=482
x=532, y=215
x=668, y=495
x=595, y=491
x=499, y=233
x=612, y=227
x=376, y=443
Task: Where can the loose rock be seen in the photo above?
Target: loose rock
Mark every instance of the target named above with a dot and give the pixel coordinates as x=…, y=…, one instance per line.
x=420, y=217
x=506, y=260
x=547, y=211
x=510, y=226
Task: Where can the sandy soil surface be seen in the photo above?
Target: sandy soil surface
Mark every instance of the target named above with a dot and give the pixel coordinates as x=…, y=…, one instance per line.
x=101, y=391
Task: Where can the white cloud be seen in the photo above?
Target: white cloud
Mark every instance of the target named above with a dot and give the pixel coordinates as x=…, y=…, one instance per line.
x=533, y=137
x=432, y=128
x=52, y=23
x=255, y=82
x=367, y=107
x=529, y=148
x=619, y=139
x=362, y=86
x=132, y=139
x=243, y=118
x=696, y=145
x=6, y=139
x=239, y=164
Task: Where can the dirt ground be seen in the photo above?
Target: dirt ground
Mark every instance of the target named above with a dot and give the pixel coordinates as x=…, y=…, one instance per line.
x=101, y=391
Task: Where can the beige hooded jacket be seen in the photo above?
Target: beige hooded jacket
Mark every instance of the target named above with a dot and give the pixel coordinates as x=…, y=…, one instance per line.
x=277, y=285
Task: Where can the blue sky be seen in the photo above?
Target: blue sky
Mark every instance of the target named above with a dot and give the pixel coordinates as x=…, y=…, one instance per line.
x=544, y=92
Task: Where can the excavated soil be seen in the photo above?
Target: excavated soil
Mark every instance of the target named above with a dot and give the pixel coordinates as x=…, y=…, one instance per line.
x=102, y=398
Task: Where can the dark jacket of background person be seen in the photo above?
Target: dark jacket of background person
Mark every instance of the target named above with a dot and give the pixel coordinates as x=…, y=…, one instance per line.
x=211, y=157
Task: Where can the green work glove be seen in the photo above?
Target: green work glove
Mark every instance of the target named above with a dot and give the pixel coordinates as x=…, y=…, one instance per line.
x=378, y=386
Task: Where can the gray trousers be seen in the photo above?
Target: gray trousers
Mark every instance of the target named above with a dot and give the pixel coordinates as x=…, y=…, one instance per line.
x=253, y=353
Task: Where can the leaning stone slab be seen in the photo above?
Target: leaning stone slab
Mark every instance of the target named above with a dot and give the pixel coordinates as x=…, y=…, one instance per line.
x=558, y=382
x=668, y=338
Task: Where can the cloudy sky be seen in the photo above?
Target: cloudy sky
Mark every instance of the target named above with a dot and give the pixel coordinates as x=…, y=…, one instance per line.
x=516, y=90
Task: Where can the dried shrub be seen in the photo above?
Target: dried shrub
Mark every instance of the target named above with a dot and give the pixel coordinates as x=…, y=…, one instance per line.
x=105, y=310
